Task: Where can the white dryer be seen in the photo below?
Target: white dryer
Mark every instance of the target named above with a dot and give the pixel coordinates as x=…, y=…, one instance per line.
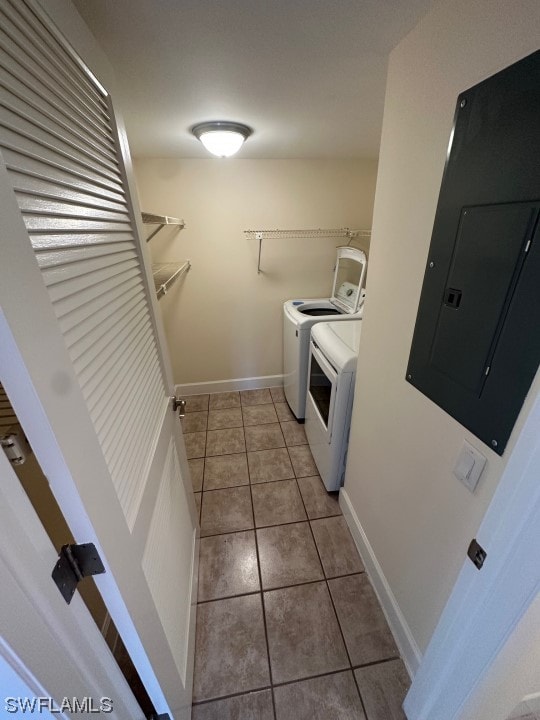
x=330, y=392
x=299, y=316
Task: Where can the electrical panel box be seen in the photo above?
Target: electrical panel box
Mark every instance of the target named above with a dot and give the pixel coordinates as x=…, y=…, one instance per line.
x=476, y=344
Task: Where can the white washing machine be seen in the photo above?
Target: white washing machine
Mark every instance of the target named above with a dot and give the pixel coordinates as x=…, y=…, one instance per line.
x=299, y=316
x=330, y=392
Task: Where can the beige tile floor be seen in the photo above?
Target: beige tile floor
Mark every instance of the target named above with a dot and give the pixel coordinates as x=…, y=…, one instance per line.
x=288, y=625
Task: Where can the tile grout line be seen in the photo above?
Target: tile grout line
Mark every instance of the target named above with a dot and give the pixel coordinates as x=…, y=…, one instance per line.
x=262, y=688
x=287, y=587
x=262, y=599
x=361, y=666
x=232, y=695
x=352, y=666
x=335, y=611
x=258, y=593
x=312, y=677
x=261, y=592
x=263, y=527
x=289, y=682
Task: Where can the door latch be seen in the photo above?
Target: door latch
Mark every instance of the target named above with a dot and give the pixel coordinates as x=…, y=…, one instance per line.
x=179, y=405
x=14, y=446
x=75, y=562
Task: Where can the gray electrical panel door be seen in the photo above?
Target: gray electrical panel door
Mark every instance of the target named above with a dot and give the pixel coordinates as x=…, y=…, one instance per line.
x=476, y=344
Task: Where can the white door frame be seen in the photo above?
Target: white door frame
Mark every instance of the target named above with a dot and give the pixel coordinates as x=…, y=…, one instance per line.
x=486, y=606
x=52, y=649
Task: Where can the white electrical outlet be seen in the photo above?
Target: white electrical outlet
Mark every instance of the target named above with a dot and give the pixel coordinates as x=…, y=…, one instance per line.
x=469, y=466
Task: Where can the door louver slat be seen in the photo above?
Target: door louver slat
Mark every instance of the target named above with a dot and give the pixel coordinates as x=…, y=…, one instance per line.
x=69, y=289
x=23, y=78
x=14, y=61
x=52, y=241
x=30, y=106
x=68, y=307
x=132, y=437
x=78, y=269
x=45, y=190
x=107, y=375
x=55, y=108
x=37, y=205
x=131, y=434
x=38, y=57
x=7, y=415
x=22, y=160
x=16, y=135
x=131, y=403
x=100, y=315
x=106, y=329
x=20, y=123
x=88, y=362
x=65, y=256
x=56, y=137
x=49, y=186
x=41, y=224
x=21, y=112
x=34, y=31
x=99, y=300
x=113, y=353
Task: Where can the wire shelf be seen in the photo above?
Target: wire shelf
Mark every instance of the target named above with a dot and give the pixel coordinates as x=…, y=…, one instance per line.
x=306, y=233
x=166, y=273
x=160, y=221
x=301, y=234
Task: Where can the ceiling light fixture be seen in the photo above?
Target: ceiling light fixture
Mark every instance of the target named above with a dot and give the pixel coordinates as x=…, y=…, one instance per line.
x=222, y=138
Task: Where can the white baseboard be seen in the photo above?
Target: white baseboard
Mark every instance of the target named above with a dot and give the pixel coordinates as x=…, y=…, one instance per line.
x=407, y=646
x=215, y=386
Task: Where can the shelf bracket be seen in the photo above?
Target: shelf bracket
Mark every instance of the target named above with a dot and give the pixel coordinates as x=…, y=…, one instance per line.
x=154, y=232
x=259, y=237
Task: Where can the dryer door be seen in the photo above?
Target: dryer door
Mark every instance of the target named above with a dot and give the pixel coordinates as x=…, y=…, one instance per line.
x=322, y=386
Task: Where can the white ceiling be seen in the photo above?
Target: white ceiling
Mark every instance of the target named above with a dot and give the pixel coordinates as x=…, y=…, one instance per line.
x=307, y=75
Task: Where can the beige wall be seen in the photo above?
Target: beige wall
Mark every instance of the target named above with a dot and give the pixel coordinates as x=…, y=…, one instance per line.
x=223, y=321
x=417, y=517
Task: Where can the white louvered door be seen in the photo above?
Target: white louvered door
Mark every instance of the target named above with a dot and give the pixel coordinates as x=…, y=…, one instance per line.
x=91, y=384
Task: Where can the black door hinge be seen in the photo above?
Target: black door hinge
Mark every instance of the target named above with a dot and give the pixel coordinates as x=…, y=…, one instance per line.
x=75, y=562
x=476, y=553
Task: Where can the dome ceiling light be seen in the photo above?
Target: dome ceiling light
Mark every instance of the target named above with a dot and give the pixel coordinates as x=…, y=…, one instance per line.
x=222, y=138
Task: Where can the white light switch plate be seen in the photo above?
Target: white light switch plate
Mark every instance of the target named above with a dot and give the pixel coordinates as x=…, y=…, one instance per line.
x=469, y=466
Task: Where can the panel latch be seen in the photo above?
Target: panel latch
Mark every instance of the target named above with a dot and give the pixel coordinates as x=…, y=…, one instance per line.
x=452, y=297
x=476, y=553
x=75, y=562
